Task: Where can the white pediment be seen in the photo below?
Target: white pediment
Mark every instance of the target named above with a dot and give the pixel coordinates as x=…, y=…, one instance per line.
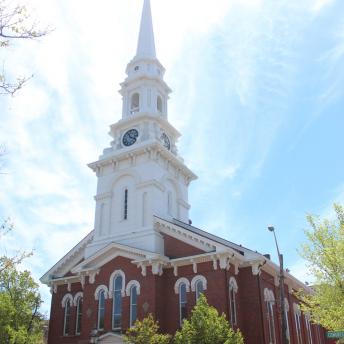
x=111, y=252
x=110, y=338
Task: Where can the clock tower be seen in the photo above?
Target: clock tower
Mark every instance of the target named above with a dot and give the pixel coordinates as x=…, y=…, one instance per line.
x=140, y=175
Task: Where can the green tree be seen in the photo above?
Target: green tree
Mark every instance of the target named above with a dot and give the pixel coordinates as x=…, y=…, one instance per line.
x=324, y=252
x=15, y=24
x=146, y=332
x=20, y=320
x=206, y=326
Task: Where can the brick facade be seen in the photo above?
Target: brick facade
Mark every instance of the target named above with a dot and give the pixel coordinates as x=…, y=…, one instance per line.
x=157, y=296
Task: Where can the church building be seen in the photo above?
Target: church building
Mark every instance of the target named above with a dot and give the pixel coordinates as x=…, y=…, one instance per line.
x=143, y=255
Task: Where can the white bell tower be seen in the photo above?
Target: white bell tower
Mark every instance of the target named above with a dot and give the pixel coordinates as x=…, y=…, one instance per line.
x=141, y=175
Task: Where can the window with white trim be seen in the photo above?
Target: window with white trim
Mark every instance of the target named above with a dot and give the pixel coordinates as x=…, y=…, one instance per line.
x=297, y=314
x=78, y=315
x=182, y=303
x=269, y=299
x=67, y=316
x=309, y=328
x=159, y=104
x=135, y=103
x=198, y=285
x=286, y=311
x=133, y=305
x=117, y=302
x=101, y=309
x=233, y=289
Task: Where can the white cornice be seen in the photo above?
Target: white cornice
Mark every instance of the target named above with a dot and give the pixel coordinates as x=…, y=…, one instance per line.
x=143, y=148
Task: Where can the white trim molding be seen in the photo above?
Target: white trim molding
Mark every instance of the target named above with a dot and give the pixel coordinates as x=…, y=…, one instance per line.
x=269, y=295
x=65, y=299
x=133, y=283
x=179, y=282
x=233, y=284
x=111, y=286
x=78, y=295
x=100, y=288
x=196, y=279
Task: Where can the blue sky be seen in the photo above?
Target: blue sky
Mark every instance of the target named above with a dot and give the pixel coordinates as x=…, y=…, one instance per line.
x=258, y=94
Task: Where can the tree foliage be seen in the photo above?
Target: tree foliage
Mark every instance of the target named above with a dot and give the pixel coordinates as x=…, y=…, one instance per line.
x=146, y=332
x=15, y=24
x=324, y=252
x=206, y=326
x=20, y=320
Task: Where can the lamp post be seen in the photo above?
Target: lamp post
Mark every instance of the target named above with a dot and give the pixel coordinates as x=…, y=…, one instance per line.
x=281, y=283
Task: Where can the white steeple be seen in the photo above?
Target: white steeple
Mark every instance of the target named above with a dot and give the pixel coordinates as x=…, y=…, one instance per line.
x=146, y=44
x=141, y=175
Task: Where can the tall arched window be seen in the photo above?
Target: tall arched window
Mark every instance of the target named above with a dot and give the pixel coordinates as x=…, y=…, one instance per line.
x=297, y=314
x=135, y=103
x=269, y=299
x=125, y=214
x=182, y=303
x=159, y=104
x=286, y=311
x=309, y=328
x=117, y=302
x=101, y=309
x=199, y=289
x=78, y=315
x=233, y=289
x=133, y=305
x=67, y=315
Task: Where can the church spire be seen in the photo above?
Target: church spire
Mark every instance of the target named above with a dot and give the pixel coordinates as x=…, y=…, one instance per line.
x=146, y=44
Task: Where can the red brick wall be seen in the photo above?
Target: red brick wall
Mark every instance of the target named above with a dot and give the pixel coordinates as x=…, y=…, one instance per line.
x=158, y=293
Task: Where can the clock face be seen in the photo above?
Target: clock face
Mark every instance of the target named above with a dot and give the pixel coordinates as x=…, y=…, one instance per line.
x=130, y=137
x=166, y=141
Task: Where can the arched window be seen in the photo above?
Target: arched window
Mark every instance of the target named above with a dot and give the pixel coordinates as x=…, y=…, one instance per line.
x=286, y=310
x=66, y=303
x=182, y=303
x=78, y=315
x=297, y=314
x=66, y=323
x=159, y=104
x=309, y=328
x=101, y=309
x=199, y=285
x=233, y=289
x=135, y=103
x=117, y=302
x=269, y=299
x=125, y=214
x=133, y=305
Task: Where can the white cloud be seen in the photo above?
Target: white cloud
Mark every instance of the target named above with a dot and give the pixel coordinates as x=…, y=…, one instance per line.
x=318, y=5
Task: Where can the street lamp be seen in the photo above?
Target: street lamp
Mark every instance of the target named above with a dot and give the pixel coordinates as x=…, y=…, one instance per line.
x=281, y=283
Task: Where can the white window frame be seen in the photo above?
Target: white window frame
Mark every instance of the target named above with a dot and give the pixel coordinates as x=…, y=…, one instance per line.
x=297, y=315
x=309, y=328
x=99, y=309
x=77, y=320
x=114, y=300
x=232, y=290
x=269, y=299
x=132, y=304
x=67, y=306
x=286, y=311
x=195, y=282
x=180, y=302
